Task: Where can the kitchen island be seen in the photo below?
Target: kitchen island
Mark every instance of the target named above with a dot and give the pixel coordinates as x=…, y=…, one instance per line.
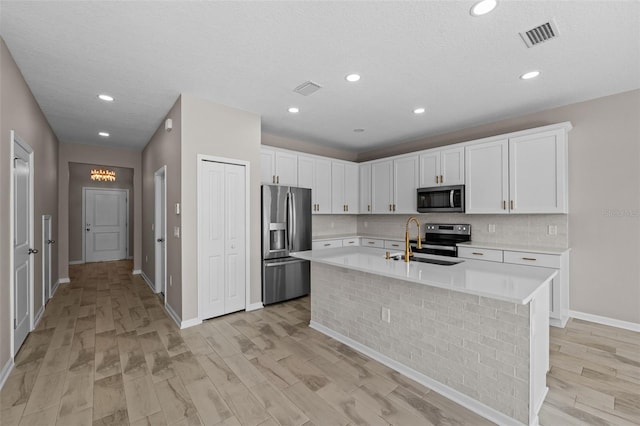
x=476, y=332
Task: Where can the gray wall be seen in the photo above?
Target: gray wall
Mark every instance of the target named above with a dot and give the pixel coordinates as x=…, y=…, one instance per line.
x=164, y=150
x=79, y=177
x=93, y=154
x=19, y=111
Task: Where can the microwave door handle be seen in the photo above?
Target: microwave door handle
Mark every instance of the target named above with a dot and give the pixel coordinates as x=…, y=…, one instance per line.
x=451, y=198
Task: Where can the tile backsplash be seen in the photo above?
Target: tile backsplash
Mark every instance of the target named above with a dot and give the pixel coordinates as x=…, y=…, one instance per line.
x=524, y=230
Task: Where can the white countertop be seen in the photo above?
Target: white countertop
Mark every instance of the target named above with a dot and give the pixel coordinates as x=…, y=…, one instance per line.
x=502, y=281
x=515, y=247
x=344, y=236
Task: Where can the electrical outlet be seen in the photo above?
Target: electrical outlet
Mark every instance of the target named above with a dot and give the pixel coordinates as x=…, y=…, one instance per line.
x=170, y=281
x=146, y=258
x=553, y=230
x=491, y=228
x=385, y=315
x=153, y=226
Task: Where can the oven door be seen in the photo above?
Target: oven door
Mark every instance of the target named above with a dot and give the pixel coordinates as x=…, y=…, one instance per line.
x=441, y=199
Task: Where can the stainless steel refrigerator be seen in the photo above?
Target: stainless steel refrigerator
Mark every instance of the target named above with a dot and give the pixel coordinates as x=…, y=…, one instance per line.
x=286, y=228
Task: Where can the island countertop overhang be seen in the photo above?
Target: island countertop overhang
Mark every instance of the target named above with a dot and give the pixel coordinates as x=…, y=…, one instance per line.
x=500, y=281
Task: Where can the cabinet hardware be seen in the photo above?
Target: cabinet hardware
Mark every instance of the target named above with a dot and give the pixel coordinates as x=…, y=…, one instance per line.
x=504, y=205
x=278, y=180
x=441, y=179
x=477, y=254
x=389, y=207
x=512, y=206
x=273, y=179
x=368, y=207
x=394, y=207
x=370, y=242
x=533, y=259
x=327, y=244
x=436, y=179
x=395, y=245
x=347, y=207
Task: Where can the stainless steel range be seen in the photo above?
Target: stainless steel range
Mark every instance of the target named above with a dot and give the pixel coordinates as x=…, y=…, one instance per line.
x=441, y=239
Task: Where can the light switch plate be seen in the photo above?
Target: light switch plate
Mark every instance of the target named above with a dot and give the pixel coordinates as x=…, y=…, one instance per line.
x=177, y=208
x=176, y=231
x=553, y=230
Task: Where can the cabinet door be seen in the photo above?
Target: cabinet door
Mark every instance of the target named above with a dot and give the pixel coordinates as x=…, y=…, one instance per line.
x=381, y=187
x=351, y=187
x=306, y=166
x=405, y=183
x=452, y=166
x=337, y=188
x=286, y=168
x=365, y=188
x=487, y=178
x=322, y=186
x=267, y=166
x=537, y=173
x=429, y=169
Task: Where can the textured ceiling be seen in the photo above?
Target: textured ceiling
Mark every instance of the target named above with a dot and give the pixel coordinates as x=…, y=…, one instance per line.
x=251, y=55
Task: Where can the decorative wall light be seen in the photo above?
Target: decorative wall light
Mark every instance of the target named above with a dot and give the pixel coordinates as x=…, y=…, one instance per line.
x=103, y=175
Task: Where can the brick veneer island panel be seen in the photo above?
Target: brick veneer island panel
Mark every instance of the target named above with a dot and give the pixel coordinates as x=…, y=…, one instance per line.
x=486, y=354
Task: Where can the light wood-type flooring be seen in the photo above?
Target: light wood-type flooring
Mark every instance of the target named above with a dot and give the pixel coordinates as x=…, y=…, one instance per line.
x=106, y=353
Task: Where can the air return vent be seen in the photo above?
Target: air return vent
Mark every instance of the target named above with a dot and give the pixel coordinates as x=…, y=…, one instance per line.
x=540, y=34
x=307, y=88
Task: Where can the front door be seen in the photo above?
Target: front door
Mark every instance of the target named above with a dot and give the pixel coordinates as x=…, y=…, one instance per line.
x=106, y=235
x=21, y=245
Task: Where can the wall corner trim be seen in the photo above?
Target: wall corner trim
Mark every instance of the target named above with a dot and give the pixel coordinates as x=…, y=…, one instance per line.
x=612, y=322
x=254, y=306
x=64, y=281
x=6, y=370
x=444, y=390
x=148, y=281
x=136, y=272
x=173, y=315
x=38, y=317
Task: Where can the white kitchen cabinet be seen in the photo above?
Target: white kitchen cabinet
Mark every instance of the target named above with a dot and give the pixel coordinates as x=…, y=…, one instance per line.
x=394, y=245
x=365, y=188
x=315, y=173
x=489, y=255
x=526, y=173
x=442, y=167
x=487, y=177
x=538, y=173
x=326, y=244
x=278, y=167
x=350, y=242
x=372, y=242
x=393, y=185
x=344, y=188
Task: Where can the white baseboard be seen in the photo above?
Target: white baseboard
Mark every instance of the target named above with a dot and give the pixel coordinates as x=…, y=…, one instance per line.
x=457, y=397
x=76, y=262
x=173, y=314
x=6, y=370
x=38, y=317
x=64, y=280
x=627, y=325
x=136, y=272
x=148, y=281
x=190, y=323
x=254, y=306
x=54, y=288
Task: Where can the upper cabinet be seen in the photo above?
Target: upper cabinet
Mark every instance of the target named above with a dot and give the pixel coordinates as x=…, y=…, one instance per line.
x=344, y=187
x=278, y=167
x=442, y=167
x=315, y=173
x=393, y=185
x=526, y=173
x=365, y=187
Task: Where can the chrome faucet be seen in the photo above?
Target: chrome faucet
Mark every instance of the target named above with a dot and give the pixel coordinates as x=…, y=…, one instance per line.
x=407, y=247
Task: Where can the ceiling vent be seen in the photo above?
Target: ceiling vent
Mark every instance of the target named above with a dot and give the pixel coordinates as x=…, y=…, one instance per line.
x=307, y=88
x=540, y=34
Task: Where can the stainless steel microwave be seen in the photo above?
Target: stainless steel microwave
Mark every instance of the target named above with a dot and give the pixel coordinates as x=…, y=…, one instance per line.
x=444, y=199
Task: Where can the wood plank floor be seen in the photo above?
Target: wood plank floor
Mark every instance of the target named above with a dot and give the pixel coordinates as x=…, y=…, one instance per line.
x=106, y=353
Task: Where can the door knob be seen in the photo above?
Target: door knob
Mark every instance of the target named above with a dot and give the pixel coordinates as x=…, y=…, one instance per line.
x=33, y=251
x=88, y=229
x=160, y=240
x=51, y=241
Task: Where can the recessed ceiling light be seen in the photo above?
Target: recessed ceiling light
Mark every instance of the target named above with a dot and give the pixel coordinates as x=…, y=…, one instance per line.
x=419, y=110
x=529, y=75
x=106, y=98
x=483, y=7
x=293, y=110
x=352, y=78
x=358, y=130
x=103, y=134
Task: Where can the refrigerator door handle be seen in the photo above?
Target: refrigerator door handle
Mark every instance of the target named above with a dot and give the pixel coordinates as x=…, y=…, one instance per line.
x=294, y=224
x=289, y=219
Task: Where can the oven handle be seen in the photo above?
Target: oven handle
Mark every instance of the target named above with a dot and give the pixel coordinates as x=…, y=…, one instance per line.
x=430, y=246
x=451, y=198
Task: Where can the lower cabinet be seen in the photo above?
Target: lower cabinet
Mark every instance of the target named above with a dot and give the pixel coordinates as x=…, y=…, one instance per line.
x=559, y=291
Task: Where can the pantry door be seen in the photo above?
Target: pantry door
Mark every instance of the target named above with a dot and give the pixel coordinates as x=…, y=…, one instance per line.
x=222, y=260
x=105, y=224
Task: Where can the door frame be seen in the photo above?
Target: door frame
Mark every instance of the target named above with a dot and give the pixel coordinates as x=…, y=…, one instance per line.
x=45, y=244
x=84, y=218
x=247, y=236
x=17, y=141
x=161, y=173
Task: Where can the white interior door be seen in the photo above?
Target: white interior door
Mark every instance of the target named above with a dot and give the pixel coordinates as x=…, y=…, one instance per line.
x=46, y=258
x=22, y=238
x=160, y=230
x=221, y=231
x=105, y=233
